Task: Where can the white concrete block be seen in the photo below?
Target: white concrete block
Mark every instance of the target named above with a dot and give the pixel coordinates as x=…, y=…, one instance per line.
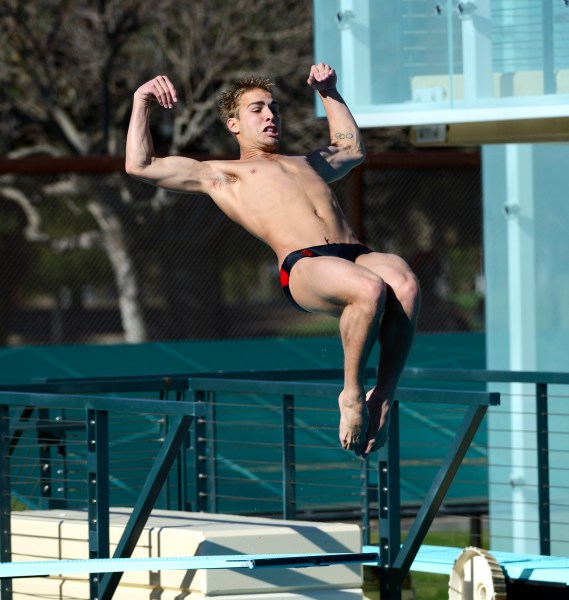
x=55, y=534
x=70, y=589
x=206, y=535
x=64, y=535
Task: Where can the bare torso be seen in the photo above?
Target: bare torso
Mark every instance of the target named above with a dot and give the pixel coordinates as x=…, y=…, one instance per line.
x=281, y=200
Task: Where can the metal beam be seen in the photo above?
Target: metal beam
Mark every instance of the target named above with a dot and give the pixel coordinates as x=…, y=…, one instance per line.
x=389, y=495
x=97, y=428
x=288, y=457
x=543, y=491
x=5, y=500
x=485, y=376
x=146, y=499
x=244, y=386
x=438, y=489
x=116, y=403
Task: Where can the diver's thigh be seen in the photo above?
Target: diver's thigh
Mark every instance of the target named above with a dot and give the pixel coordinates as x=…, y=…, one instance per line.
x=328, y=284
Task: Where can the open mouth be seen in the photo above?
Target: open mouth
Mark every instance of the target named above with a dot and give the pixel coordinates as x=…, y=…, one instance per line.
x=271, y=130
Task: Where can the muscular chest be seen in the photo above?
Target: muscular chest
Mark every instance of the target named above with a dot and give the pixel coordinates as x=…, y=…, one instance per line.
x=269, y=193
x=282, y=180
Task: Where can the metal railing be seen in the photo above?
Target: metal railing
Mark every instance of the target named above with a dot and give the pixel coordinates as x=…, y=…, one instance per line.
x=167, y=386
x=95, y=431
x=396, y=558
x=541, y=380
x=288, y=429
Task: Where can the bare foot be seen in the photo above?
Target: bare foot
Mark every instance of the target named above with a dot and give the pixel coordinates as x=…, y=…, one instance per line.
x=354, y=420
x=378, y=427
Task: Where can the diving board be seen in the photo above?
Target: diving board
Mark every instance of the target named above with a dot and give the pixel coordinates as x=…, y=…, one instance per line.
x=44, y=568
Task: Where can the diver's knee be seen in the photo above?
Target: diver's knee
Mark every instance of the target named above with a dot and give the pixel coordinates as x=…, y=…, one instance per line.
x=408, y=293
x=372, y=294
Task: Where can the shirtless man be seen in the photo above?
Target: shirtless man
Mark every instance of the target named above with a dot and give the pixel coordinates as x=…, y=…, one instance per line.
x=285, y=201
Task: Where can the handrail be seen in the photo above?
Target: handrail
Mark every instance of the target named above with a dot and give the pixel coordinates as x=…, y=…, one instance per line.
x=206, y=384
x=115, y=403
x=178, y=381
x=486, y=376
x=96, y=444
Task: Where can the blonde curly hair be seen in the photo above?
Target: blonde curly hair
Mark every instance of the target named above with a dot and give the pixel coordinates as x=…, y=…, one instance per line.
x=228, y=101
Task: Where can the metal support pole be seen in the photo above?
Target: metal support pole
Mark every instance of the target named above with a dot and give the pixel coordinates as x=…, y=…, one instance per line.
x=153, y=485
x=98, y=490
x=51, y=436
x=211, y=434
x=439, y=487
x=542, y=429
x=476, y=531
x=520, y=173
x=289, y=464
x=164, y=428
x=5, y=500
x=366, y=503
x=201, y=459
x=183, y=470
x=46, y=480
x=389, y=508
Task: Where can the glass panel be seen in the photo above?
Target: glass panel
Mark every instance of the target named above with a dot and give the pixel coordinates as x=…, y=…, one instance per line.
x=411, y=39
x=327, y=32
x=409, y=62
x=531, y=47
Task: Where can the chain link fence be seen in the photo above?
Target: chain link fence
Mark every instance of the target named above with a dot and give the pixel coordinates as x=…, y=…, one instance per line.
x=89, y=255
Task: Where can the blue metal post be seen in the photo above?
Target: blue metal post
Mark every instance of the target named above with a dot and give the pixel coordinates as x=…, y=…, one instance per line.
x=5, y=500
x=98, y=490
x=211, y=434
x=366, y=502
x=183, y=484
x=542, y=428
x=289, y=464
x=164, y=428
x=201, y=456
x=44, y=448
x=388, y=510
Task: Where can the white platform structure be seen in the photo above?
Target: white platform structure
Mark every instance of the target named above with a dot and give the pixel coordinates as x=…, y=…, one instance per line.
x=189, y=539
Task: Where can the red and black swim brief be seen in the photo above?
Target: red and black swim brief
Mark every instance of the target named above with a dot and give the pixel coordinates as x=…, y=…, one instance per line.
x=346, y=251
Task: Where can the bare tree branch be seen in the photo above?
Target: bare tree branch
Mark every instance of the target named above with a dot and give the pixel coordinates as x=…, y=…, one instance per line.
x=33, y=231
x=76, y=138
x=39, y=149
x=85, y=240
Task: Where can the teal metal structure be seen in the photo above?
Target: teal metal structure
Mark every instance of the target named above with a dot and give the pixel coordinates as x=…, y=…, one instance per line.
x=202, y=390
x=96, y=411
x=195, y=396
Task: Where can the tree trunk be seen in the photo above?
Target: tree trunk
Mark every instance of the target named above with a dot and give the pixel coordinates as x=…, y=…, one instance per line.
x=128, y=286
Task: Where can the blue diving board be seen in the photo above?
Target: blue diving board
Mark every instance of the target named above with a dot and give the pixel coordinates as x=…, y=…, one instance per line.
x=9, y=570
x=528, y=567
